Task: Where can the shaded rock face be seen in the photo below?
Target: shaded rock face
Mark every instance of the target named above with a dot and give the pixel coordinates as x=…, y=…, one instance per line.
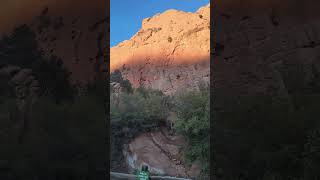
x=21, y=80
x=79, y=38
x=254, y=51
x=169, y=52
x=264, y=48
x=270, y=55
x=161, y=152
x=26, y=89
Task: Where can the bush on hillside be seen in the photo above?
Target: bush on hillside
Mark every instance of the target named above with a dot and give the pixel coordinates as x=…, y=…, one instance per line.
x=22, y=49
x=125, y=84
x=68, y=136
x=59, y=137
x=193, y=121
x=54, y=80
x=99, y=89
x=135, y=113
x=116, y=76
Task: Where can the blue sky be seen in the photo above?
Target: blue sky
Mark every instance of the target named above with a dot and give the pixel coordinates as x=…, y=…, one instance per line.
x=126, y=15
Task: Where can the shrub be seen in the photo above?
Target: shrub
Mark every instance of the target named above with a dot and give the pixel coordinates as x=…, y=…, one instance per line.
x=22, y=49
x=193, y=112
x=98, y=89
x=116, y=76
x=126, y=85
x=54, y=79
x=74, y=132
x=135, y=113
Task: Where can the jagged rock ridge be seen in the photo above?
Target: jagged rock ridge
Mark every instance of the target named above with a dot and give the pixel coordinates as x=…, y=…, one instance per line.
x=170, y=52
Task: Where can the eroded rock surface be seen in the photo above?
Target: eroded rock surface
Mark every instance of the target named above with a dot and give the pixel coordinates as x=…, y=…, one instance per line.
x=169, y=52
x=161, y=152
x=79, y=37
x=260, y=55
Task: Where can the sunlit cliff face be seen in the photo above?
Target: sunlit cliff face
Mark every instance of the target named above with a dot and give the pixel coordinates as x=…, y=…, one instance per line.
x=171, y=38
x=171, y=52
x=16, y=12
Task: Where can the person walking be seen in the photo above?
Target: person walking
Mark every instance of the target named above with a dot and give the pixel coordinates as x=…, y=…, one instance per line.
x=144, y=174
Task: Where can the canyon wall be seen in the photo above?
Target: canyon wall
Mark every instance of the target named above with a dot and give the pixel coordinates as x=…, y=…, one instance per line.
x=265, y=56
x=170, y=52
x=75, y=31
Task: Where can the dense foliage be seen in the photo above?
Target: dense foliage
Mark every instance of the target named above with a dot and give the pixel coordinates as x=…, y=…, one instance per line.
x=116, y=77
x=144, y=109
x=65, y=137
x=193, y=112
x=268, y=138
x=134, y=113
x=21, y=49
x=63, y=132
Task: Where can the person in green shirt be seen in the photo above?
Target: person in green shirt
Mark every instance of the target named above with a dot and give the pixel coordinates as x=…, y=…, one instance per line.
x=144, y=174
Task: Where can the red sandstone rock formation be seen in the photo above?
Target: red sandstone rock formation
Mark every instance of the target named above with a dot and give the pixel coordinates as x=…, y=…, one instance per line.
x=79, y=39
x=171, y=51
x=74, y=30
x=267, y=53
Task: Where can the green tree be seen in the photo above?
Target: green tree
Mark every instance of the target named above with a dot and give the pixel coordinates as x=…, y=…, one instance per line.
x=116, y=76
x=126, y=85
x=135, y=113
x=54, y=79
x=193, y=121
x=98, y=89
x=21, y=49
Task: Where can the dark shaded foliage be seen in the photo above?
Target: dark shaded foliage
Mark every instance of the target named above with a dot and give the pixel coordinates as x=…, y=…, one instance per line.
x=54, y=79
x=193, y=121
x=65, y=134
x=116, y=76
x=21, y=49
x=125, y=84
x=267, y=138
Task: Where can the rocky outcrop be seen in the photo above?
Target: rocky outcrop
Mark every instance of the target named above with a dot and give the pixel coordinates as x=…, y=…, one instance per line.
x=26, y=88
x=79, y=39
x=169, y=52
x=161, y=152
x=21, y=80
x=258, y=55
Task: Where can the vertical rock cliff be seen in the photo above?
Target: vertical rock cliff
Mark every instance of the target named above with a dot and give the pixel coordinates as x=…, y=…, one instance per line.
x=170, y=52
